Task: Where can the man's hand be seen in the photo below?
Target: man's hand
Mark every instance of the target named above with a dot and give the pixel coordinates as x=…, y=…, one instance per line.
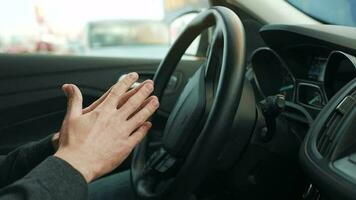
x=97, y=139
x=55, y=137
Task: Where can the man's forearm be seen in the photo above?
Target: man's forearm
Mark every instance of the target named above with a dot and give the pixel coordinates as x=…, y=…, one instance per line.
x=52, y=179
x=22, y=160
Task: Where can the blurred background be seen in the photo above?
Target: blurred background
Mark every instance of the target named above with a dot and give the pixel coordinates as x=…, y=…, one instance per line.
x=124, y=28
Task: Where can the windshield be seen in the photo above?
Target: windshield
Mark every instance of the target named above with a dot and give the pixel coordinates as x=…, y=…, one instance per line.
x=113, y=28
x=127, y=33
x=338, y=12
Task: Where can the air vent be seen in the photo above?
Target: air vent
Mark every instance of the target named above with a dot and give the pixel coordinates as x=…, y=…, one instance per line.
x=327, y=135
x=326, y=138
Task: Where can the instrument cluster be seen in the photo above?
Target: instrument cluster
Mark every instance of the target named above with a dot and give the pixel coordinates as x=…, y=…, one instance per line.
x=311, y=83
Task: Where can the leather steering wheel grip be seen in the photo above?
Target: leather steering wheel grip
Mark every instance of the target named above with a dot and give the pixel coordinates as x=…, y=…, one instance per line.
x=227, y=97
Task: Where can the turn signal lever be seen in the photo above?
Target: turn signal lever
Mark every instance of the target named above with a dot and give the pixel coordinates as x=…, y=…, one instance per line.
x=271, y=107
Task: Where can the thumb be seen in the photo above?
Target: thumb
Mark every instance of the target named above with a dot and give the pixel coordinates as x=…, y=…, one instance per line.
x=75, y=100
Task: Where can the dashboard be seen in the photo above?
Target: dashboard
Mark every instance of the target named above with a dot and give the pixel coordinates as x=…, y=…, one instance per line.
x=306, y=64
x=314, y=68
x=308, y=80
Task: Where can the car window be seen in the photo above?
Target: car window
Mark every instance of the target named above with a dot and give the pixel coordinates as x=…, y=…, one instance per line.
x=339, y=12
x=115, y=28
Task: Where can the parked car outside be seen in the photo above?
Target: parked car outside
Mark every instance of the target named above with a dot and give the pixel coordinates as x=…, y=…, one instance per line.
x=126, y=38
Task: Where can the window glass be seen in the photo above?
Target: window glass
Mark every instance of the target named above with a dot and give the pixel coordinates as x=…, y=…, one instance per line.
x=119, y=28
x=339, y=12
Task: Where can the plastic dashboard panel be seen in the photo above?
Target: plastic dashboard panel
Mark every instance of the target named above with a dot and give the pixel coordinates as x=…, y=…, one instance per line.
x=334, y=37
x=333, y=171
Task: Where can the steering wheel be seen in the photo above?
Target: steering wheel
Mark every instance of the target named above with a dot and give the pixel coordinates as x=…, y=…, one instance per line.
x=196, y=129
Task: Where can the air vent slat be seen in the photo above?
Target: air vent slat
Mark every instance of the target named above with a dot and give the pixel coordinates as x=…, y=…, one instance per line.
x=327, y=136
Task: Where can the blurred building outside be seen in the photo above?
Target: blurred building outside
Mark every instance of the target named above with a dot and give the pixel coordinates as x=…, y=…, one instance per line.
x=61, y=26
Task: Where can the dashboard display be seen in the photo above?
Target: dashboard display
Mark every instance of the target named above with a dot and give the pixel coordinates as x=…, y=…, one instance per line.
x=317, y=68
x=272, y=75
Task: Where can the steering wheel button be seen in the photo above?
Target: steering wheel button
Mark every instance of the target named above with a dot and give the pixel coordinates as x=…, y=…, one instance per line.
x=166, y=163
x=346, y=105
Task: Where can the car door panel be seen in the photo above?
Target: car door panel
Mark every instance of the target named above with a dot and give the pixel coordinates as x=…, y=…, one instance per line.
x=32, y=104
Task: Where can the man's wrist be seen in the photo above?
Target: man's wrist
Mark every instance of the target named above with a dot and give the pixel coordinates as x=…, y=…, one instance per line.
x=77, y=163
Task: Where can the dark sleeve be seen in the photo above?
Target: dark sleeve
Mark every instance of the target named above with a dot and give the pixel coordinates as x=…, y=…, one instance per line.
x=52, y=179
x=22, y=160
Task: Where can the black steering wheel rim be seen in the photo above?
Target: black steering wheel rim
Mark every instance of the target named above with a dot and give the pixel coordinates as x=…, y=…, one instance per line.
x=223, y=108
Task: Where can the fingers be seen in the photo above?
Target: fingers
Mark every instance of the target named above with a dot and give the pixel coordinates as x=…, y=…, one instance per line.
x=75, y=100
x=136, y=100
x=96, y=103
x=137, y=136
x=122, y=100
x=143, y=105
x=130, y=93
x=113, y=98
x=142, y=115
